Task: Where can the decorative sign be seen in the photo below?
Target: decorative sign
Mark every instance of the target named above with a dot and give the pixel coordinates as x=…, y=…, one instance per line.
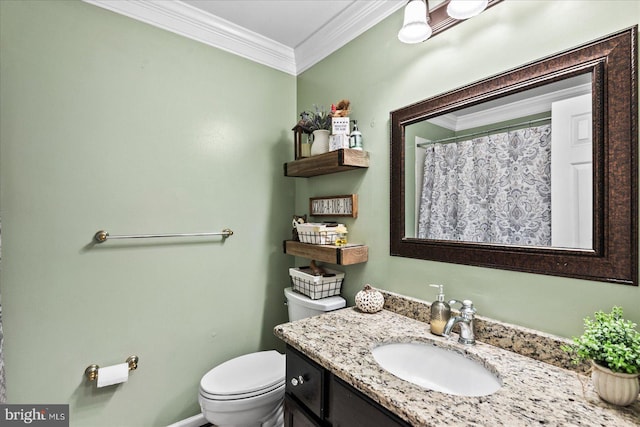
x=340, y=126
x=334, y=206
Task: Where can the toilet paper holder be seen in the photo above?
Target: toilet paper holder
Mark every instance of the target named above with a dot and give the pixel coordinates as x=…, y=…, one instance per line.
x=92, y=370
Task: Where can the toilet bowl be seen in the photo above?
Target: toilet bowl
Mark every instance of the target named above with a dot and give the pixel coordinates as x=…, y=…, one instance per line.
x=244, y=391
x=248, y=391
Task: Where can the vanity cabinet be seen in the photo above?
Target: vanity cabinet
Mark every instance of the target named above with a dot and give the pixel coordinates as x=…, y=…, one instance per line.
x=295, y=415
x=306, y=381
x=316, y=398
x=350, y=408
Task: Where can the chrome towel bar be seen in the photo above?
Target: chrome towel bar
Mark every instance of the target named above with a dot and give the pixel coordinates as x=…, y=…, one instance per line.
x=102, y=236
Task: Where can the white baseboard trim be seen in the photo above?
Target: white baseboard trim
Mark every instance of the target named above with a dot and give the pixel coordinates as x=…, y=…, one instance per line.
x=195, y=421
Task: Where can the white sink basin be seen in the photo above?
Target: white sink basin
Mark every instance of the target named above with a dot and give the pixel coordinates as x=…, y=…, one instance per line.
x=436, y=368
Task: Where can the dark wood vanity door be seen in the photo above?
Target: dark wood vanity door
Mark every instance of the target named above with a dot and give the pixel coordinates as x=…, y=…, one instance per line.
x=316, y=398
x=349, y=408
x=296, y=416
x=305, y=381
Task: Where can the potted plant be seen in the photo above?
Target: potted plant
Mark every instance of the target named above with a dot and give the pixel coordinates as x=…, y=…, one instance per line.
x=318, y=122
x=612, y=344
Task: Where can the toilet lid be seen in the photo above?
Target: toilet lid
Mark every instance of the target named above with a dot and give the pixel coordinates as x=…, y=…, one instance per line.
x=245, y=374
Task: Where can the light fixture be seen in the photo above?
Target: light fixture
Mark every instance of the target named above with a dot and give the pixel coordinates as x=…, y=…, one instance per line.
x=415, y=28
x=465, y=9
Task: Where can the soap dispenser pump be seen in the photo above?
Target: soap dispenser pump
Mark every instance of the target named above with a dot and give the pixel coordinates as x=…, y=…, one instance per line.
x=355, y=139
x=440, y=312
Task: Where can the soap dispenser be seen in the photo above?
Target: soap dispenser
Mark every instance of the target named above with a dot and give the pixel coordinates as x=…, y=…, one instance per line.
x=355, y=139
x=440, y=312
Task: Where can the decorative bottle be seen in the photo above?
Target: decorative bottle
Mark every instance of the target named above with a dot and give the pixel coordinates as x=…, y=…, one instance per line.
x=440, y=312
x=355, y=139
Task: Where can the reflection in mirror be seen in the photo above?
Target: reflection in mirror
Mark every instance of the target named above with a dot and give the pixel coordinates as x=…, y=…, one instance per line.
x=534, y=169
x=516, y=170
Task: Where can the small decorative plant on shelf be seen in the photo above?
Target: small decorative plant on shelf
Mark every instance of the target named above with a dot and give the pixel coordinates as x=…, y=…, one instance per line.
x=319, y=124
x=320, y=119
x=612, y=344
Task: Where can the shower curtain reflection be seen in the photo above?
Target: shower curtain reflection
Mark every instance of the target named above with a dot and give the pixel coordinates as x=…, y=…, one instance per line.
x=491, y=189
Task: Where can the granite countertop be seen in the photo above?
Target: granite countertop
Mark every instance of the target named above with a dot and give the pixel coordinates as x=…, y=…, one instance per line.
x=533, y=392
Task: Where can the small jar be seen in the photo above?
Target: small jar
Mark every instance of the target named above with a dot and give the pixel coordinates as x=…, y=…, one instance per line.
x=341, y=240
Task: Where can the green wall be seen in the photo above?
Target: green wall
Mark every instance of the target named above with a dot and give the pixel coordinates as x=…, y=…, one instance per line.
x=108, y=123
x=379, y=74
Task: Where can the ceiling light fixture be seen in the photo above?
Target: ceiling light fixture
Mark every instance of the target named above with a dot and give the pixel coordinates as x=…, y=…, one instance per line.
x=415, y=28
x=465, y=9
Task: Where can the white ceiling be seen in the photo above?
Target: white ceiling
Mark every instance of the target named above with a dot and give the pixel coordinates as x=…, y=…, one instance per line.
x=289, y=22
x=289, y=35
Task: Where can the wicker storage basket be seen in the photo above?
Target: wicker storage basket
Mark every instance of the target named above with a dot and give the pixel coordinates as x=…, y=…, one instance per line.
x=317, y=234
x=316, y=287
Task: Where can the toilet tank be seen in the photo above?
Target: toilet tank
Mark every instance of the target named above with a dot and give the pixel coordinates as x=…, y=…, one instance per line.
x=301, y=306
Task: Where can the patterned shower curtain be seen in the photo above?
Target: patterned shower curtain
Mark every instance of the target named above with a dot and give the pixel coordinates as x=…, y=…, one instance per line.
x=493, y=189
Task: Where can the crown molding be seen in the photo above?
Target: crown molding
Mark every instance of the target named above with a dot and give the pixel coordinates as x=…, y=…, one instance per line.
x=193, y=23
x=513, y=110
x=352, y=22
x=526, y=107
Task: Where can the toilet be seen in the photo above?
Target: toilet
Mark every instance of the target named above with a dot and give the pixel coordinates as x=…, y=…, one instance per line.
x=248, y=391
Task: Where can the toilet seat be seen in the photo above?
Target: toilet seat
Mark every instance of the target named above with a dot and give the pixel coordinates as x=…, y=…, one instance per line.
x=241, y=396
x=244, y=377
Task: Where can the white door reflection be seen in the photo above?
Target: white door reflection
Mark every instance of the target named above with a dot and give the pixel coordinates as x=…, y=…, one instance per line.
x=572, y=173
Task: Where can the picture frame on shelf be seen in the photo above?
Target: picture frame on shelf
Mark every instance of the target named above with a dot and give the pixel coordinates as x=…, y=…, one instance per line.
x=344, y=205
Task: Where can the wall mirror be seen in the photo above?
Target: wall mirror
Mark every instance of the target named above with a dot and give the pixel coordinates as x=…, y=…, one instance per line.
x=534, y=169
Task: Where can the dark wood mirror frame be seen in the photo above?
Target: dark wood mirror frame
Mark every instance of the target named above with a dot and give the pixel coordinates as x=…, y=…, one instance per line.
x=612, y=62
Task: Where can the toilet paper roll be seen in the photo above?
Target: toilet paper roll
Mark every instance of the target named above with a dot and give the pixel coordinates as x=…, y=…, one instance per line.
x=111, y=375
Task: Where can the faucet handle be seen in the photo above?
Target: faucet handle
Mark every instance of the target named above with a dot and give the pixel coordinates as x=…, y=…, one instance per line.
x=463, y=303
x=468, y=305
x=467, y=308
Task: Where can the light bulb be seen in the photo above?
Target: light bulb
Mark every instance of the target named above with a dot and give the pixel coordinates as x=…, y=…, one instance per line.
x=415, y=28
x=465, y=9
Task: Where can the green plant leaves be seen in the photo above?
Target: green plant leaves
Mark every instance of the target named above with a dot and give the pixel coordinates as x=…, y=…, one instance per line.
x=610, y=341
x=320, y=119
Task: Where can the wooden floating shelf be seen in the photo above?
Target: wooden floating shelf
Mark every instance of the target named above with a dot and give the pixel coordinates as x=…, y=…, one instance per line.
x=342, y=160
x=340, y=255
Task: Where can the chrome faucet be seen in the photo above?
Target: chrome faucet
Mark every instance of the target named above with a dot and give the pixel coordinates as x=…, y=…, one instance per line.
x=466, y=322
